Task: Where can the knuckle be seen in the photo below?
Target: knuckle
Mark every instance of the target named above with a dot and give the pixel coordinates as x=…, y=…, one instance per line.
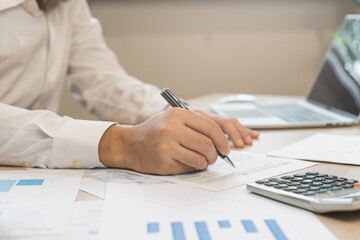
x=166, y=130
x=207, y=146
x=213, y=124
x=162, y=148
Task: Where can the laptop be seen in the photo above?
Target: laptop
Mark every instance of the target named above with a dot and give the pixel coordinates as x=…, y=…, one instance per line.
x=333, y=100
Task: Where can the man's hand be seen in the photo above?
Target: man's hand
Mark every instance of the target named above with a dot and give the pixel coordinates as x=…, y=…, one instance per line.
x=238, y=134
x=172, y=142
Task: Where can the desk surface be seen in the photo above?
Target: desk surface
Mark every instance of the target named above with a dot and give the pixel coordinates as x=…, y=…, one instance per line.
x=343, y=225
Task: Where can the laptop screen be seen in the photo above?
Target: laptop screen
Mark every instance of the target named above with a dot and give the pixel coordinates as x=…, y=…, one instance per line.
x=338, y=82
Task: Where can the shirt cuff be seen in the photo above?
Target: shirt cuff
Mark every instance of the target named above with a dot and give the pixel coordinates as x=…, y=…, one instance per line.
x=76, y=143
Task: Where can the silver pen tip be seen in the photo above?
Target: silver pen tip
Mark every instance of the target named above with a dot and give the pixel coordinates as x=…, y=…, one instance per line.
x=227, y=159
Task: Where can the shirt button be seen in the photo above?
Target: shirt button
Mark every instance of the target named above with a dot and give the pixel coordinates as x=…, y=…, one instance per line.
x=25, y=164
x=28, y=6
x=38, y=107
x=77, y=164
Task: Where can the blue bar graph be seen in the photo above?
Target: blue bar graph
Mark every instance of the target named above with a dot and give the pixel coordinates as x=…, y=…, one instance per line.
x=30, y=182
x=153, y=227
x=275, y=229
x=6, y=185
x=202, y=231
x=224, y=224
x=178, y=231
x=249, y=226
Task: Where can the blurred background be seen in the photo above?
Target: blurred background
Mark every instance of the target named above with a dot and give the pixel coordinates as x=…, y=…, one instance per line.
x=198, y=47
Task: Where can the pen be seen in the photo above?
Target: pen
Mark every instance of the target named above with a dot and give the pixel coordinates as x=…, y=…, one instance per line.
x=174, y=101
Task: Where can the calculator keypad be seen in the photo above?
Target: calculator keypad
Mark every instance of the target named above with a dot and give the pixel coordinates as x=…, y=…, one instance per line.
x=313, y=184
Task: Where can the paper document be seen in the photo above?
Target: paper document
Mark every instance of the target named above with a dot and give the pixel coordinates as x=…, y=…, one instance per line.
x=344, y=149
x=84, y=224
x=179, y=212
x=94, y=180
x=249, y=167
x=36, y=201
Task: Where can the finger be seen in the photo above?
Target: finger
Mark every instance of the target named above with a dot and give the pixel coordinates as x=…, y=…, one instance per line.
x=176, y=167
x=191, y=158
x=209, y=128
x=234, y=134
x=253, y=133
x=198, y=143
x=245, y=134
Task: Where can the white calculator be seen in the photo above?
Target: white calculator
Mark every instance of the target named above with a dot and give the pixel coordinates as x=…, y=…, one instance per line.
x=317, y=192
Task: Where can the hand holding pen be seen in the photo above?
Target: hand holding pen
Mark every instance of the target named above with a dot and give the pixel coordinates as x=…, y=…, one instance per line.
x=174, y=141
x=174, y=101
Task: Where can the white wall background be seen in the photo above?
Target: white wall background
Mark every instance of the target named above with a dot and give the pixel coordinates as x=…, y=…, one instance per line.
x=205, y=46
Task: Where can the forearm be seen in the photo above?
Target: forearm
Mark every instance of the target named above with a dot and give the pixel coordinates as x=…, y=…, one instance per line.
x=44, y=139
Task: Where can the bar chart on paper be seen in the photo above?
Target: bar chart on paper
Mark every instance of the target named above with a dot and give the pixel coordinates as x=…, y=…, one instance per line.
x=216, y=229
x=179, y=212
x=36, y=201
x=7, y=185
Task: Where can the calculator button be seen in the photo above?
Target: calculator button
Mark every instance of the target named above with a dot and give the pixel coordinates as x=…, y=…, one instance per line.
x=328, y=181
x=306, y=181
x=313, y=188
x=279, y=186
x=357, y=184
x=316, y=183
x=330, y=177
x=322, y=191
x=337, y=184
x=300, y=191
x=288, y=177
x=312, y=173
x=335, y=188
x=323, y=175
x=294, y=184
x=304, y=186
x=326, y=186
x=348, y=186
x=284, y=181
x=300, y=175
x=291, y=188
x=310, y=177
x=319, y=179
x=297, y=179
x=262, y=181
x=340, y=179
x=350, y=181
x=310, y=193
x=273, y=179
x=271, y=184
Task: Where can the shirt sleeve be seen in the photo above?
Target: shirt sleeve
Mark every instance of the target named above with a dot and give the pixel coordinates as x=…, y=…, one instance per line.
x=98, y=81
x=44, y=139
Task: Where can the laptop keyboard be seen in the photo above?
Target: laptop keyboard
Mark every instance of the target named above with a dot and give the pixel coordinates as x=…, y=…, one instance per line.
x=295, y=113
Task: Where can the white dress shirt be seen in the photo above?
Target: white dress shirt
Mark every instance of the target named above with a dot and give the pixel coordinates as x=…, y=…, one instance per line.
x=39, y=51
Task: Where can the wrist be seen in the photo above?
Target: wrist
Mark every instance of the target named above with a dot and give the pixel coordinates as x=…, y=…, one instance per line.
x=114, y=146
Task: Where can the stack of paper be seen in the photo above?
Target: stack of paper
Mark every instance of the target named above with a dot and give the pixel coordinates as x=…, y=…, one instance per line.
x=344, y=149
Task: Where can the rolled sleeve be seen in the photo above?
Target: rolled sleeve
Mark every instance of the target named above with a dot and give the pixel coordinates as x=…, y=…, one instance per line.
x=76, y=143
